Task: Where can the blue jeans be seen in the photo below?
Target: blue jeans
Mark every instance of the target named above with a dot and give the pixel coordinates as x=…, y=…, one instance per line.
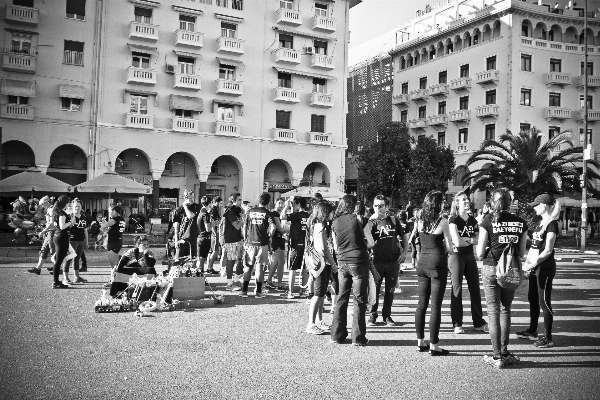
x=389, y=271
x=432, y=284
x=499, y=301
x=349, y=274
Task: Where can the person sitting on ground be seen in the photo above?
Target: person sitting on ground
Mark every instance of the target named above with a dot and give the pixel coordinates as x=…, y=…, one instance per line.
x=139, y=259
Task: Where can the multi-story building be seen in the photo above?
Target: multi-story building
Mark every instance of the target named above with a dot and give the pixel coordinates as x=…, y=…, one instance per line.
x=222, y=96
x=466, y=71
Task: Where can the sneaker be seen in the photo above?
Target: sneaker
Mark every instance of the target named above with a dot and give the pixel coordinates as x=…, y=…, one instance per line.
x=281, y=288
x=259, y=295
x=484, y=328
x=243, y=294
x=315, y=330
x=79, y=280
x=269, y=285
x=59, y=285
x=497, y=362
x=237, y=286
x=361, y=344
x=107, y=285
x=288, y=295
x=510, y=358
x=34, y=271
x=526, y=334
x=371, y=321
x=211, y=272
x=543, y=342
x=229, y=286
x=389, y=321
x=459, y=330
x=323, y=326
x=67, y=282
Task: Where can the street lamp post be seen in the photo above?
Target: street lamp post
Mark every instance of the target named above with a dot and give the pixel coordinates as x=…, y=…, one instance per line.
x=585, y=133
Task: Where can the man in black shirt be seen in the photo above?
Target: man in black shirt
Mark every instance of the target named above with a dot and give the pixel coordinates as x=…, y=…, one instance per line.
x=277, y=249
x=205, y=229
x=296, y=212
x=185, y=226
x=215, y=245
x=232, y=240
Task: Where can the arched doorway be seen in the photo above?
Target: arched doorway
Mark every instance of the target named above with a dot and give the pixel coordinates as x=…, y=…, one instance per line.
x=16, y=157
x=68, y=163
x=134, y=164
x=316, y=174
x=180, y=173
x=277, y=178
x=225, y=178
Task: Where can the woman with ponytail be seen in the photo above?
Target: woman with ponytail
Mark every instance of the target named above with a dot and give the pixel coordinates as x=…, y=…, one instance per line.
x=63, y=224
x=541, y=266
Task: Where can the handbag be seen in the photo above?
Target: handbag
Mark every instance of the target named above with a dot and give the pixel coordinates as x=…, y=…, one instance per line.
x=509, y=273
x=312, y=259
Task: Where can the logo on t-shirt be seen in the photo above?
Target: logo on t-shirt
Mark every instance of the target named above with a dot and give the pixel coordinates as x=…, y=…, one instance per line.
x=504, y=230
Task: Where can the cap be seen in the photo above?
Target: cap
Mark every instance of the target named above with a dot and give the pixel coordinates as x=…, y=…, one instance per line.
x=544, y=198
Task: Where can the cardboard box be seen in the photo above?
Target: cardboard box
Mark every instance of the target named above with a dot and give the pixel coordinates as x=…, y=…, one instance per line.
x=187, y=304
x=188, y=288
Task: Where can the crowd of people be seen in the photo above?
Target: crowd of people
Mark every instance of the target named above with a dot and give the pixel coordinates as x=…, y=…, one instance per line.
x=342, y=251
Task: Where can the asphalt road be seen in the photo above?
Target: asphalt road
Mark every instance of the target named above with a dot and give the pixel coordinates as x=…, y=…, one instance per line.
x=53, y=346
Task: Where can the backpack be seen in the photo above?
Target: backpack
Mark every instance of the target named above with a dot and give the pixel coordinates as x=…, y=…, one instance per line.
x=509, y=273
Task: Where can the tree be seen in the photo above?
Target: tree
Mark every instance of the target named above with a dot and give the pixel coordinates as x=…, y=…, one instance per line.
x=527, y=167
x=431, y=167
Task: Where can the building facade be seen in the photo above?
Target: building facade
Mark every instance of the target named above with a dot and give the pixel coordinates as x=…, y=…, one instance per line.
x=222, y=96
x=466, y=71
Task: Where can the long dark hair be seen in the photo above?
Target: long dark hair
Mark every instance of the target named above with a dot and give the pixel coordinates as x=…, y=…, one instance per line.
x=432, y=209
x=501, y=204
x=319, y=215
x=345, y=206
x=59, y=205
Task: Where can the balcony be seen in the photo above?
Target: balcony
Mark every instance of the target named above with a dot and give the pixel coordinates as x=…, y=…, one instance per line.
x=420, y=123
x=593, y=115
x=24, y=15
x=400, y=99
x=487, y=111
x=19, y=60
x=285, y=95
x=593, y=81
x=437, y=120
x=185, y=81
x=292, y=17
x=557, y=113
x=319, y=138
x=17, y=111
x=234, y=88
x=73, y=58
x=139, y=121
x=139, y=30
x=187, y=38
x=460, y=116
x=287, y=56
x=460, y=84
x=230, y=45
x=227, y=128
x=485, y=77
x=419, y=94
x=323, y=23
x=321, y=100
x=558, y=78
x=285, y=135
x=141, y=75
x=186, y=125
x=438, y=90
x=322, y=61
x=462, y=147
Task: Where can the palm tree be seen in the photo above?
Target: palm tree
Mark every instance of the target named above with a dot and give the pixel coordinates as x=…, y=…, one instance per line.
x=528, y=168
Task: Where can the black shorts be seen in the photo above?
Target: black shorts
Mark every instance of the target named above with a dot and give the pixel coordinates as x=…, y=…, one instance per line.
x=187, y=248
x=204, y=248
x=114, y=246
x=322, y=281
x=296, y=258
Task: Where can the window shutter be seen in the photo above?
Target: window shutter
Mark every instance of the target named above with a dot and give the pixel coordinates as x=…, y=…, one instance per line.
x=282, y=119
x=317, y=123
x=144, y=12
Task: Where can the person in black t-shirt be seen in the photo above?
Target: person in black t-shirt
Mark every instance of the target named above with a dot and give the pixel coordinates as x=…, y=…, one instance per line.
x=232, y=241
x=62, y=222
x=277, y=249
x=498, y=229
x=204, y=233
x=215, y=246
x=116, y=226
x=185, y=226
x=79, y=241
x=296, y=212
x=461, y=262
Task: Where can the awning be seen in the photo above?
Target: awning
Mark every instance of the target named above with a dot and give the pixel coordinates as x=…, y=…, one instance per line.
x=309, y=74
x=303, y=34
x=231, y=62
x=177, y=102
x=141, y=92
x=228, y=102
x=71, y=91
x=13, y=87
x=187, y=54
x=140, y=48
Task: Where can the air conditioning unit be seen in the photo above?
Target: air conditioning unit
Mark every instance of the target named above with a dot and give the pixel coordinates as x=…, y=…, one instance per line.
x=309, y=50
x=170, y=69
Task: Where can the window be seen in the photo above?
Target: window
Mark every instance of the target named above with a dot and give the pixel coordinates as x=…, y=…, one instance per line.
x=423, y=83
x=442, y=107
x=73, y=53
x=286, y=41
x=226, y=72
x=183, y=113
x=143, y=15
x=18, y=100
x=476, y=39
x=187, y=22
x=589, y=102
x=287, y=4
x=317, y=123
x=490, y=132
x=138, y=104
x=450, y=48
x=228, y=30
x=140, y=60
x=320, y=47
x=463, y=135
x=524, y=30
x=555, y=65
x=21, y=43
x=319, y=85
x=525, y=97
x=441, y=138
x=405, y=88
x=553, y=131
x=524, y=127
x=282, y=119
x=464, y=71
x=225, y=113
x=284, y=80
x=423, y=112
x=590, y=68
x=76, y=9
x=221, y=3
x=554, y=100
x=490, y=97
x=69, y=104
x=490, y=63
x=185, y=65
x=589, y=136
x=320, y=10
x=23, y=3
x=404, y=116
x=443, y=77
x=526, y=62
x=463, y=103
x=237, y=5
